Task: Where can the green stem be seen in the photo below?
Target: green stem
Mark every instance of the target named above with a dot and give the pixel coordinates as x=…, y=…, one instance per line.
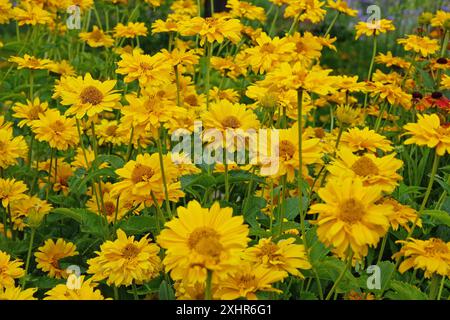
x=208, y=286
x=341, y=276
x=161, y=163
x=332, y=24
x=369, y=74
x=383, y=245
x=27, y=263
x=300, y=164
x=441, y=288
x=208, y=71
x=434, y=287
x=135, y=295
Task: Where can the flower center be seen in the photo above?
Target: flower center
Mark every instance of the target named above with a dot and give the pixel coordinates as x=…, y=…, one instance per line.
x=247, y=281
x=231, y=122
x=286, y=149
x=319, y=132
x=111, y=130
x=97, y=35
x=268, y=48
x=110, y=208
x=130, y=251
x=437, y=247
x=34, y=111
x=269, y=249
x=57, y=126
x=351, y=211
x=91, y=95
x=141, y=173
x=364, y=166
x=205, y=241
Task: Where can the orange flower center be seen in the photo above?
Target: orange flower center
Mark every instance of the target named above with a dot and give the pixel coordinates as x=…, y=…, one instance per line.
x=364, y=167
x=205, y=241
x=110, y=208
x=111, y=130
x=269, y=249
x=286, y=149
x=91, y=95
x=246, y=281
x=141, y=173
x=319, y=132
x=437, y=247
x=130, y=251
x=231, y=122
x=351, y=211
x=57, y=126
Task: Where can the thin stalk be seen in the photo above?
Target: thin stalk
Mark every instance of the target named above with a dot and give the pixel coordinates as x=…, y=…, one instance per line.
x=161, y=163
x=332, y=24
x=341, y=276
x=369, y=74
x=208, y=286
x=27, y=263
x=300, y=164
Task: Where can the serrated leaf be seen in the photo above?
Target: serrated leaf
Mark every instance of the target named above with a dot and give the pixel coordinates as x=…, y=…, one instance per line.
x=441, y=216
x=405, y=291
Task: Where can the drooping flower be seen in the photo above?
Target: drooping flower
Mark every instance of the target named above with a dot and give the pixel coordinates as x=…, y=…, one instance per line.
x=432, y=256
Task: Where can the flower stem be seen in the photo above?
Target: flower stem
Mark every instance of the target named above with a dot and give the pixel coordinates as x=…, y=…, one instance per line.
x=341, y=276
x=441, y=288
x=208, y=286
x=332, y=24
x=27, y=263
x=161, y=163
x=434, y=287
x=369, y=74
x=300, y=164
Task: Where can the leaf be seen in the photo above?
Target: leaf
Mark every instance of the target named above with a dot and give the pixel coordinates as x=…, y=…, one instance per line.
x=203, y=180
x=89, y=222
x=166, y=291
x=252, y=208
x=330, y=268
x=105, y=172
x=115, y=161
x=441, y=216
x=405, y=291
x=138, y=225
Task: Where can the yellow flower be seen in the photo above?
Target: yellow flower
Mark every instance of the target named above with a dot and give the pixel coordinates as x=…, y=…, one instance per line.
x=284, y=255
x=31, y=13
x=145, y=68
x=228, y=68
x=243, y=9
x=60, y=132
x=62, y=67
x=107, y=132
x=445, y=83
x=178, y=57
x=109, y=206
x=168, y=25
x=268, y=53
x=131, y=30
x=16, y=293
x=432, y=256
x=440, y=18
x=349, y=218
x=12, y=148
x=391, y=92
x=49, y=255
x=365, y=140
x=246, y=280
x=429, y=132
x=29, y=111
x=202, y=239
x=86, y=291
x=306, y=10
x=97, y=38
x=31, y=208
x=212, y=29
x=373, y=28
x=389, y=60
x=6, y=12
x=372, y=170
x=342, y=7
x=346, y=115
x=217, y=94
x=423, y=45
x=125, y=261
x=143, y=177
x=11, y=190
x=30, y=62
x=89, y=97
x=184, y=7
x=402, y=215
x=288, y=154
x=9, y=270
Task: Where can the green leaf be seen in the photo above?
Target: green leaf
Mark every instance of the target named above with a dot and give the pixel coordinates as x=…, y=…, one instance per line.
x=105, y=172
x=89, y=222
x=405, y=291
x=115, y=161
x=330, y=268
x=166, y=291
x=442, y=217
x=138, y=225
